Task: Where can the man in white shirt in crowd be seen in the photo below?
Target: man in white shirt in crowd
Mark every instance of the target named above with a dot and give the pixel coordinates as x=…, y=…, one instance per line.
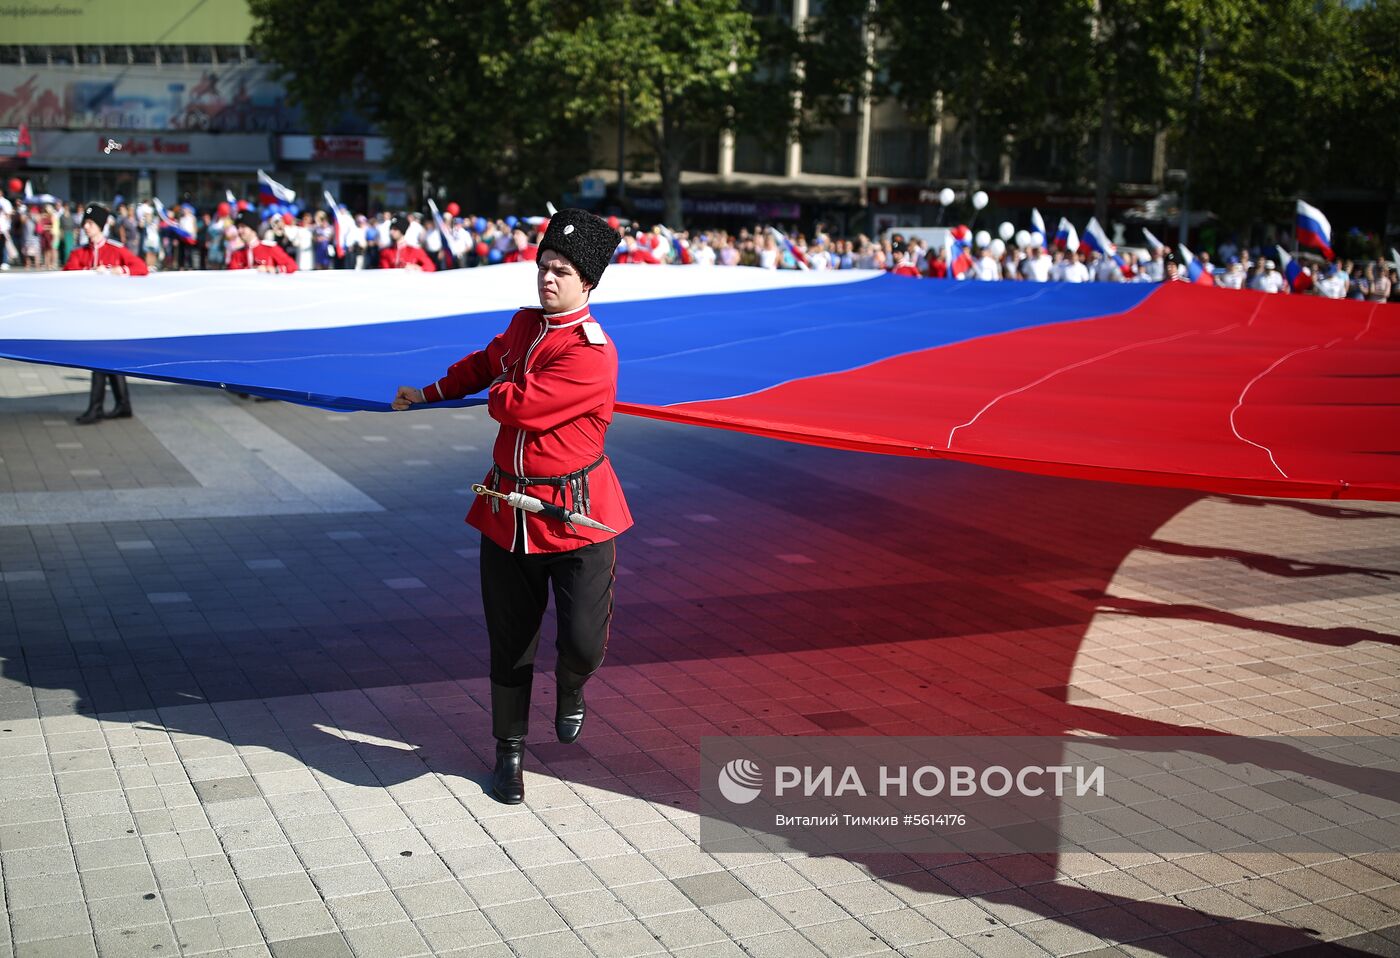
x=1036, y=266
x=414, y=235
x=1233, y=276
x=1073, y=270
x=1333, y=283
x=701, y=252
x=988, y=269
x=1269, y=279
x=1156, y=268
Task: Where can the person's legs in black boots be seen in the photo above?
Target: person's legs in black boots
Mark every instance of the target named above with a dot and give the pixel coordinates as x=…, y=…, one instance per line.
x=583, y=598
x=123, y=398
x=514, y=591
x=510, y=721
x=96, y=395
x=569, y=709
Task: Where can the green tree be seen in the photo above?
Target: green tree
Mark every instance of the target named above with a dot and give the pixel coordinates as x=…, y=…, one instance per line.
x=467, y=93
x=687, y=67
x=1280, y=83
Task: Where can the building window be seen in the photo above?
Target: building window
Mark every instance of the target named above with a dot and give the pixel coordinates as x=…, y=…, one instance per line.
x=901, y=154
x=753, y=155
x=830, y=152
x=102, y=186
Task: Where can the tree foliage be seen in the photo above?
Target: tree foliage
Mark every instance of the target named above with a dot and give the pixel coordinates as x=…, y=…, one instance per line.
x=1295, y=96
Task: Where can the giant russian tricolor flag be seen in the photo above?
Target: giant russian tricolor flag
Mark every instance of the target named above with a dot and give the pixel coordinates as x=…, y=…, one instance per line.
x=1314, y=230
x=1166, y=385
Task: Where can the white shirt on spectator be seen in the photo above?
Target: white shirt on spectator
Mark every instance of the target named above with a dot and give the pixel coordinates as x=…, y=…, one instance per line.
x=988, y=269
x=1333, y=286
x=1075, y=273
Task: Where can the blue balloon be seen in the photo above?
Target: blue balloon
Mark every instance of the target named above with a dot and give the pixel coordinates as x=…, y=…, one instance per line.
x=494, y=256
x=511, y=221
x=479, y=225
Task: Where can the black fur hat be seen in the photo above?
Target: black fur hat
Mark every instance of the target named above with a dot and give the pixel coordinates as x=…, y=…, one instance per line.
x=399, y=223
x=583, y=239
x=98, y=214
x=249, y=219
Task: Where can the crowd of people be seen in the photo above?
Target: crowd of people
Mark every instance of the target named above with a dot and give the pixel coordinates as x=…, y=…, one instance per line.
x=40, y=236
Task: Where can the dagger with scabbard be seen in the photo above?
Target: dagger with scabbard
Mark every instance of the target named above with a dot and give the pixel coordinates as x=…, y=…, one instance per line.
x=518, y=500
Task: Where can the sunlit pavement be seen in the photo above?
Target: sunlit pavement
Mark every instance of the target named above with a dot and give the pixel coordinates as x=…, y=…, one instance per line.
x=243, y=707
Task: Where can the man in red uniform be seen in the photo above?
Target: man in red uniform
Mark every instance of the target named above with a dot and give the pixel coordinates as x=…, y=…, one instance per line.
x=104, y=257
x=552, y=381
x=403, y=254
x=255, y=254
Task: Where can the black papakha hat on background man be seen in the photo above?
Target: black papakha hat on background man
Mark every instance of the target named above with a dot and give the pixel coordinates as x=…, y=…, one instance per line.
x=399, y=223
x=583, y=239
x=98, y=213
x=249, y=219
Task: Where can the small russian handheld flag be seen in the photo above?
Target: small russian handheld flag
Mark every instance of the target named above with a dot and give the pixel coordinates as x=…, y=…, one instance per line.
x=169, y=225
x=1197, y=273
x=1096, y=239
x=1314, y=230
x=798, y=257
x=270, y=191
x=1038, y=225
x=1298, y=278
x=958, y=242
x=1153, y=243
x=341, y=224
x=1067, y=237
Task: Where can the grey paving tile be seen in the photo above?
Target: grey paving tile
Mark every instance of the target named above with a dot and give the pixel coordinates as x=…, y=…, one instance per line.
x=713, y=888
x=331, y=945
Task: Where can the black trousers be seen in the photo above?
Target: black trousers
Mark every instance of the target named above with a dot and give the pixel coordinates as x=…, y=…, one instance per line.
x=515, y=591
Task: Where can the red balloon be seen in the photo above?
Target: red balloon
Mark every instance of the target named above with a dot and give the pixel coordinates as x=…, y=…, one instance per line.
x=221, y=209
x=482, y=249
x=453, y=209
x=16, y=185
x=288, y=218
x=242, y=205
x=613, y=222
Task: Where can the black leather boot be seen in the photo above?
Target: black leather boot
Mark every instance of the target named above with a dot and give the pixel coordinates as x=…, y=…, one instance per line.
x=569, y=709
x=123, y=398
x=510, y=720
x=508, y=777
x=96, y=394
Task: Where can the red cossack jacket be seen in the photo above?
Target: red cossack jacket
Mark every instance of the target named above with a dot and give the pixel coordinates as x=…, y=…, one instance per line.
x=397, y=257
x=264, y=254
x=552, y=390
x=112, y=255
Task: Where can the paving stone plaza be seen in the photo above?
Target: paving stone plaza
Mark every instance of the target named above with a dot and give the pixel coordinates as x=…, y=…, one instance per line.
x=244, y=704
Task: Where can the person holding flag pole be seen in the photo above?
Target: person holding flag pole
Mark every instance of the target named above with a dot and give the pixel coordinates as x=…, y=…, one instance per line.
x=451, y=247
x=104, y=257
x=550, y=508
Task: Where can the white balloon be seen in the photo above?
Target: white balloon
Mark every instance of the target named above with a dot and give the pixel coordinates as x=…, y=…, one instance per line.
x=1006, y=231
x=1037, y=238
x=1023, y=239
x=979, y=200
x=983, y=239
x=998, y=248
x=945, y=196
